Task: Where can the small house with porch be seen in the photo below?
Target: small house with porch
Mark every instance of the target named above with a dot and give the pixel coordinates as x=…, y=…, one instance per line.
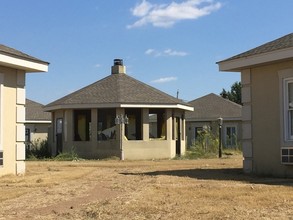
x=111, y=117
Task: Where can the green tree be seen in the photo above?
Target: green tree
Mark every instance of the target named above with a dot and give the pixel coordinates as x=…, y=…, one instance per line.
x=234, y=94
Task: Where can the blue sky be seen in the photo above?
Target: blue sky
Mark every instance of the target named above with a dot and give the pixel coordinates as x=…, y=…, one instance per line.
x=170, y=45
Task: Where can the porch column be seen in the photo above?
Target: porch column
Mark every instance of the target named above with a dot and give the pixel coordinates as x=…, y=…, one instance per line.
x=145, y=125
x=94, y=125
x=169, y=124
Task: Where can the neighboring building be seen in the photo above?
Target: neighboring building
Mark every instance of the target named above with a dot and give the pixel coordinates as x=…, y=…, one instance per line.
x=13, y=67
x=91, y=121
x=37, y=122
x=267, y=112
x=207, y=110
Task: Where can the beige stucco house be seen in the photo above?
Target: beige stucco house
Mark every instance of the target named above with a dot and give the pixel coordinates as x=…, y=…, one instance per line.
x=267, y=112
x=111, y=118
x=207, y=110
x=13, y=67
x=37, y=122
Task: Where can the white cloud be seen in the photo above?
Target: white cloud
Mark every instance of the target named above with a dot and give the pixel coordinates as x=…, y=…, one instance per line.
x=165, y=79
x=166, y=15
x=167, y=52
x=98, y=65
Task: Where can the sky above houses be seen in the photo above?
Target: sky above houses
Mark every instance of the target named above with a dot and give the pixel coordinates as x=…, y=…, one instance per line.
x=170, y=45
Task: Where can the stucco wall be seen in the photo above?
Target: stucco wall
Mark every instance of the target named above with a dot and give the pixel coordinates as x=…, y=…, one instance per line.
x=266, y=121
x=12, y=119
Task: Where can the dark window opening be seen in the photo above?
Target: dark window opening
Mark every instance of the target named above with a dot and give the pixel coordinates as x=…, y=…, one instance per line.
x=133, y=130
x=157, y=124
x=106, y=124
x=1, y=158
x=82, y=125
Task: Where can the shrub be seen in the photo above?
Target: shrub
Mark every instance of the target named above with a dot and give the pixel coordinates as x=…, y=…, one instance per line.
x=37, y=149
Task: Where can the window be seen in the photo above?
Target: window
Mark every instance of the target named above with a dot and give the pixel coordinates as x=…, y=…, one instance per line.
x=197, y=132
x=231, y=136
x=157, y=124
x=106, y=124
x=133, y=130
x=288, y=109
x=82, y=125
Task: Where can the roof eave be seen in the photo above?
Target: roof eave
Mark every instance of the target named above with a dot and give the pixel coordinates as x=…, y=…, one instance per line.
x=236, y=65
x=117, y=105
x=23, y=64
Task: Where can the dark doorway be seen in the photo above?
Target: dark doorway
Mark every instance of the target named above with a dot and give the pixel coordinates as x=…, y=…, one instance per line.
x=59, y=135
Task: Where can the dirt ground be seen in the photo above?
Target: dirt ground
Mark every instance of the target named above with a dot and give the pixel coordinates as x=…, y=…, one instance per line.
x=164, y=189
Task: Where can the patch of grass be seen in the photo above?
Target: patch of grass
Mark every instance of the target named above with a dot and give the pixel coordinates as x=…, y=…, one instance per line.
x=67, y=156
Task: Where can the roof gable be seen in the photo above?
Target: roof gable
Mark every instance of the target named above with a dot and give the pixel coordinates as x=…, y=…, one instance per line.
x=115, y=90
x=211, y=107
x=276, y=50
x=16, y=59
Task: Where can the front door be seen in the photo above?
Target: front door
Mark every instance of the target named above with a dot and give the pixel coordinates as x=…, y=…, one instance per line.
x=59, y=134
x=178, y=136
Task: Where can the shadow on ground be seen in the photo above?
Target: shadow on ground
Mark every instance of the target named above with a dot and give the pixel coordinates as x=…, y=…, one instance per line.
x=232, y=174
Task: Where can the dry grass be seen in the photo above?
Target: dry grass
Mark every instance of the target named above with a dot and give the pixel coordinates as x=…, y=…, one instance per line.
x=169, y=189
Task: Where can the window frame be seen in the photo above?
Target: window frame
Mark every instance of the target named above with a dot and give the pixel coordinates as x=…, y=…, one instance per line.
x=287, y=123
x=230, y=140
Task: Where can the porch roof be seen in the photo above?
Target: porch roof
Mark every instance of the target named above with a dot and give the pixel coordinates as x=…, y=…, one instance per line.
x=118, y=90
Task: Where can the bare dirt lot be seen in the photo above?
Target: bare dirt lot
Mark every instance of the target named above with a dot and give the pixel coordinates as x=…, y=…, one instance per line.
x=166, y=189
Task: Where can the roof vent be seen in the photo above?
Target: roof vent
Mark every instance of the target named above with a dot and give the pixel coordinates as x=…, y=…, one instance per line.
x=118, y=67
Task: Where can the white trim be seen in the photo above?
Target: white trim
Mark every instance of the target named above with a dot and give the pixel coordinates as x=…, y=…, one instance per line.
x=184, y=107
x=27, y=65
x=117, y=105
x=37, y=122
x=244, y=62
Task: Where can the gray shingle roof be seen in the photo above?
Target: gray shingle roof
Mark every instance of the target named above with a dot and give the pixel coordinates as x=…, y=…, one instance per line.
x=117, y=89
x=34, y=112
x=18, y=54
x=211, y=107
x=278, y=44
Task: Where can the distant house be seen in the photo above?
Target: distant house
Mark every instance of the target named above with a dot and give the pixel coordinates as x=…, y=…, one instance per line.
x=267, y=112
x=207, y=110
x=37, y=122
x=111, y=118
x=13, y=67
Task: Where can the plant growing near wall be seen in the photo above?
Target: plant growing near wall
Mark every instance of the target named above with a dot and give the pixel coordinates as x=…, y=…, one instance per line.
x=37, y=149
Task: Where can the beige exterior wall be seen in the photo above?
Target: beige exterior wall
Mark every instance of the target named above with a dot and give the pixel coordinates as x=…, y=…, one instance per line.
x=263, y=137
x=132, y=149
x=12, y=121
x=38, y=131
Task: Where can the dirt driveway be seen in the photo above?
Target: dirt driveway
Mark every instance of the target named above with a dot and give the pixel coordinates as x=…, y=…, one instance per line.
x=167, y=189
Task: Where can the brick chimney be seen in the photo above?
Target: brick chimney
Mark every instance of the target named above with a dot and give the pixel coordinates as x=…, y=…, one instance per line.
x=118, y=67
